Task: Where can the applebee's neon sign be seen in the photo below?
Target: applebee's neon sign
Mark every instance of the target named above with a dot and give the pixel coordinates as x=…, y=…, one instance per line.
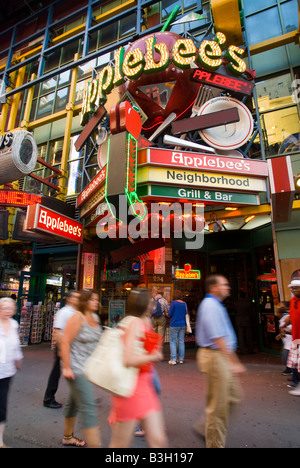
x=187, y=273
x=134, y=63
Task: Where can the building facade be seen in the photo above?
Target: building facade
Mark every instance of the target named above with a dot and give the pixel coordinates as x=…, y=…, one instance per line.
x=65, y=71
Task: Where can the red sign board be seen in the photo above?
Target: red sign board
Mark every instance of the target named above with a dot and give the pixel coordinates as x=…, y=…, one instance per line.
x=282, y=187
x=224, y=82
x=215, y=163
x=18, y=198
x=91, y=188
x=42, y=219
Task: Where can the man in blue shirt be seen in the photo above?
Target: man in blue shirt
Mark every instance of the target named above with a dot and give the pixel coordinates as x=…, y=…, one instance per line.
x=217, y=359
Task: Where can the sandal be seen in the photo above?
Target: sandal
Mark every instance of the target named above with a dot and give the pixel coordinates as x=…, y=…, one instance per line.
x=73, y=441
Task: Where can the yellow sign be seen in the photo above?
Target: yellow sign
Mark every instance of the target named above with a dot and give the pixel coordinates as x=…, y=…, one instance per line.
x=200, y=179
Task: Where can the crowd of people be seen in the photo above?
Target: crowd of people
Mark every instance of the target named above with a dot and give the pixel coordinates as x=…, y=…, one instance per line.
x=77, y=332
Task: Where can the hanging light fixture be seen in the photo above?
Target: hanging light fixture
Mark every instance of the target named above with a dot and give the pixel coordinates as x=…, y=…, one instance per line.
x=214, y=225
x=249, y=218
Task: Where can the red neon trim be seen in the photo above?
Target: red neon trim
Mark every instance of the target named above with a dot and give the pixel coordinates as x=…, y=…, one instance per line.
x=162, y=120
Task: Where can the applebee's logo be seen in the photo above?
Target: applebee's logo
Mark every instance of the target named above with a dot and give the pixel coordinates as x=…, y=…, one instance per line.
x=59, y=224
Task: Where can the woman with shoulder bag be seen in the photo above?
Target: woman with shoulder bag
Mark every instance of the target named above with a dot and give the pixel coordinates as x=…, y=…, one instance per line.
x=143, y=405
x=80, y=338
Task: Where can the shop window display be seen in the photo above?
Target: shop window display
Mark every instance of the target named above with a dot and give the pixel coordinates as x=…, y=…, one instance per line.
x=268, y=298
x=279, y=114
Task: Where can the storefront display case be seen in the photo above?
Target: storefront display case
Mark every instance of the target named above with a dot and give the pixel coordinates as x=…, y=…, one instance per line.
x=10, y=282
x=268, y=299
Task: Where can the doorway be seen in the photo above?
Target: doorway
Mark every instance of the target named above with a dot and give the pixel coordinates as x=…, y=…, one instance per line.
x=238, y=268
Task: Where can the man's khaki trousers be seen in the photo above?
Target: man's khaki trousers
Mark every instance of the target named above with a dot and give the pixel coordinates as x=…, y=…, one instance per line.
x=222, y=390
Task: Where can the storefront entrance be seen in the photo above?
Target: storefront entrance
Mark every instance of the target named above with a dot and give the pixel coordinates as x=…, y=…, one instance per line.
x=253, y=275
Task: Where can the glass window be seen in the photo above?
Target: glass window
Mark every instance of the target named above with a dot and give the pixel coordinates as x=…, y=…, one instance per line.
x=189, y=4
x=56, y=152
x=80, y=87
x=93, y=41
x=167, y=7
x=74, y=168
x=52, y=61
x=32, y=185
x=254, y=5
x=271, y=61
x=42, y=152
x=48, y=85
x=45, y=105
x=256, y=26
x=281, y=131
x=274, y=93
x=75, y=176
x=69, y=51
x=64, y=78
x=290, y=15
x=32, y=110
x=127, y=25
x=86, y=68
x=61, y=99
x=108, y=34
x=104, y=59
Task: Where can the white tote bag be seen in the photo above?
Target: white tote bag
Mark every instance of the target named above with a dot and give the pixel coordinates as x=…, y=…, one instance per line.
x=105, y=367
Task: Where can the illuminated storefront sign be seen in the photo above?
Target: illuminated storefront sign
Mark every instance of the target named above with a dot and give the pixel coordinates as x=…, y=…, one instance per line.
x=187, y=273
x=223, y=82
x=207, y=196
x=125, y=125
x=91, y=188
x=92, y=202
x=201, y=179
x=41, y=219
x=163, y=157
x=18, y=198
x=155, y=58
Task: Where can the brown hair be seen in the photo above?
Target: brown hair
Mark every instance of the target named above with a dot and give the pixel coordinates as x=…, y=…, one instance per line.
x=85, y=296
x=138, y=302
x=178, y=295
x=212, y=280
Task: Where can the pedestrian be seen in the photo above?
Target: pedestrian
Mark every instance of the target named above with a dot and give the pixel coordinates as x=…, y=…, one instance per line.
x=244, y=323
x=294, y=319
x=60, y=321
x=144, y=405
x=285, y=336
x=217, y=359
x=80, y=338
x=10, y=356
x=177, y=314
x=159, y=311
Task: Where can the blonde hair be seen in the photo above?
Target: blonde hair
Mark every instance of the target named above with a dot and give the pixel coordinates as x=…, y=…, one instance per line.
x=7, y=299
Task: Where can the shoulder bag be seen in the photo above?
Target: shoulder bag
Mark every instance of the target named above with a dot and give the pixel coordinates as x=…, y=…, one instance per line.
x=105, y=367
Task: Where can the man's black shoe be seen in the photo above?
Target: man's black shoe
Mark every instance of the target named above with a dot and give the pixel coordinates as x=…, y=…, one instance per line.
x=53, y=405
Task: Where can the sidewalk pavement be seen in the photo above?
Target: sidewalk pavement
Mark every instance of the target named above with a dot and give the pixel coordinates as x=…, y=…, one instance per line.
x=267, y=418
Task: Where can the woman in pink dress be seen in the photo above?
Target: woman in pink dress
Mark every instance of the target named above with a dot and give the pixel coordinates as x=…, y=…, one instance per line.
x=143, y=405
